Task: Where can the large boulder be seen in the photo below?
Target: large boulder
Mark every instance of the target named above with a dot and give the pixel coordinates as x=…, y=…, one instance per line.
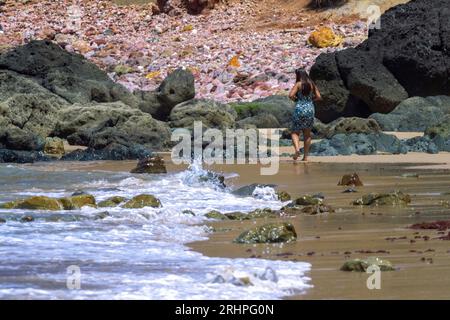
x=14, y=138
x=14, y=156
x=176, y=88
x=358, y=143
x=67, y=75
x=352, y=125
x=280, y=107
x=414, y=114
x=440, y=134
x=212, y=114
x=407, y=56
x=26, y=105
x=113, y=151
x=99, y=125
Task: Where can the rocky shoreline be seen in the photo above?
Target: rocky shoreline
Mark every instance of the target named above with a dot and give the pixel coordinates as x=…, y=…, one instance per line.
x=49, y=94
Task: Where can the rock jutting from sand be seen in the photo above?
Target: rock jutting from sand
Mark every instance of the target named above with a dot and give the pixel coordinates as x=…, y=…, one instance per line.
x=152, y=165
x=394, y=198
x=361, y=265
x=350, y=180
x=268, y=233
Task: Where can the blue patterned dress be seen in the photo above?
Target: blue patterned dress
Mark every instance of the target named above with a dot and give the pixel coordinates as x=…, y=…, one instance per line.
x=303, y=117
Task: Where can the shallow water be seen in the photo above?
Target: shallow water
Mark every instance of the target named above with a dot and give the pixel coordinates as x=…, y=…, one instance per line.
x=131, y=254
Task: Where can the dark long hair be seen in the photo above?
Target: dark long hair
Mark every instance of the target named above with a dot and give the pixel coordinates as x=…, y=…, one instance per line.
x=307, y=85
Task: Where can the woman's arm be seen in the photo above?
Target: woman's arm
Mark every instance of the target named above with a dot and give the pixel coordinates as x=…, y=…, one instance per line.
x=293, y=92
x=317, y=95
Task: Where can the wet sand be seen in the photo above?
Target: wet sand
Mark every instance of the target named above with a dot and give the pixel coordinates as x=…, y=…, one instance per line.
x=327, y=241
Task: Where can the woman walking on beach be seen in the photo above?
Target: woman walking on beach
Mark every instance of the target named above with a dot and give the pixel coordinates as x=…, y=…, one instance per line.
x=303, y=93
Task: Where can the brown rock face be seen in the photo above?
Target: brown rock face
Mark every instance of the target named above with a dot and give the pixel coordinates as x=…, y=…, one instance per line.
x=150, y=165
x=350, y=180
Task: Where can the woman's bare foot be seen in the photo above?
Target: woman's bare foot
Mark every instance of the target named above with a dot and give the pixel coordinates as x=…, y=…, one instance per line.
x=296, y=155
x=305, y=159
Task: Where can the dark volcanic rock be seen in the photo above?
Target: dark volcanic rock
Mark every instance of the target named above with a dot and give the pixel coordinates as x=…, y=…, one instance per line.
x=247, y=191
x=421, y=144
x=176, y=88
x=67, y=75
x=113, y=151
x=408, y=56
x=15, y=138
x=13, y=156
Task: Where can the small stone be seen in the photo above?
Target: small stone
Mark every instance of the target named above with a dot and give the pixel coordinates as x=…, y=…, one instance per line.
x=350, y=180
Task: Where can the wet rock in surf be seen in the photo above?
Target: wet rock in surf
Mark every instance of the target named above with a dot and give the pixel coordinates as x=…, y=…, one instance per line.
x=2, y=220
x=216, y=215
x=307, y=200
x=77, y=202
x=394, y=198
x=350, y=180
x=188, y=212
x=27, y=218
x=51, y=204
x=247, y=191
x=213, y=177
x=283, y=196
x=54, y=146
x=102, y=215
x=141, y=201
x=361, y=265
x=150, y=165
x=268, y=233
x=112, y=202
x=35, y=203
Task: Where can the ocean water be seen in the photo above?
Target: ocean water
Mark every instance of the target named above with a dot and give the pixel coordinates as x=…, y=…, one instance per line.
x=132, y=253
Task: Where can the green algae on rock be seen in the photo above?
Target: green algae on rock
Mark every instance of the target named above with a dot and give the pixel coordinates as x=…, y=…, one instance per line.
x=361, y=265
x=307, y=200
x=394, y=198
x=78, y=201
x=35, y=203
x=269, y=233
x=141, y=201
x=283, y=196
x=112, y=202
x=216, y=215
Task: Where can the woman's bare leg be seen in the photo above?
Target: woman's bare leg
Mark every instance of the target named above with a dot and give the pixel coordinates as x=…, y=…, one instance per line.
x=296, y=142
x=307, y=143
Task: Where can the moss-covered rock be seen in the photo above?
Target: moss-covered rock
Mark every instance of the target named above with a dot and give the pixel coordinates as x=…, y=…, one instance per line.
x=307, y=200
x=35, y=203
x=283, y=196
x=268, y=233
x=255, y=214
x=77, y=202
x=324, y=37
x=150, y=165
x=292, y=209
x=141, y=201
x=394, y=198
x=112, y=202
x=216, y=215
x=361, y=265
